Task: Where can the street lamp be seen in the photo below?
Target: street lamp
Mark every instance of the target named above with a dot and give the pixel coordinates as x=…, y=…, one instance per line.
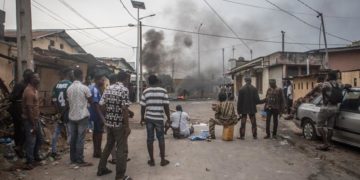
x=139, y=5
x=199, y=49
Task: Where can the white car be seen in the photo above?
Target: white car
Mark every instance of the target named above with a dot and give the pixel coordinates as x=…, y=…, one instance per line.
x=347, y=124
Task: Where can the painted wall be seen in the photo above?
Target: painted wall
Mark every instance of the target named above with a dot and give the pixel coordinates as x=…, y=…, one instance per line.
x=352, y=77
x=303, y=85
x=344, y=61
x=6, y=66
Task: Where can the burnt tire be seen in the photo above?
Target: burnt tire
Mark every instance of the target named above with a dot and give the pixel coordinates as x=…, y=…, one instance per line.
x=308, y=129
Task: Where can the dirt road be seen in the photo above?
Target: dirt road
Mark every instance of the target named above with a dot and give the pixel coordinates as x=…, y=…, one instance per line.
x=290, y=157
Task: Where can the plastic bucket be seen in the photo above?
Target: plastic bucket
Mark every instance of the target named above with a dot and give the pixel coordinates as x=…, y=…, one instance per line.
x=228, y=133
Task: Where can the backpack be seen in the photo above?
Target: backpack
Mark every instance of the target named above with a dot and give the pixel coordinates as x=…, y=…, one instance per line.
x=336, y=94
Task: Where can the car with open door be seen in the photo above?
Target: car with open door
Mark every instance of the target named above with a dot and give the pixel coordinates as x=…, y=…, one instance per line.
x=347, y=124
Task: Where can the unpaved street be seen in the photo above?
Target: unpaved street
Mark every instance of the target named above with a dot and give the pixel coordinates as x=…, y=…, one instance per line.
x=289, y=157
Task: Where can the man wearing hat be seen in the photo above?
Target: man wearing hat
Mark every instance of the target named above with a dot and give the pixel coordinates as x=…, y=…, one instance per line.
x=274, y=106
x=247, y=100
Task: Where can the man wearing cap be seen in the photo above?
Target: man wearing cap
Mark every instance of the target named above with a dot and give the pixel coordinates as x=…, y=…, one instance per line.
x=247, y=100
x=274, y=106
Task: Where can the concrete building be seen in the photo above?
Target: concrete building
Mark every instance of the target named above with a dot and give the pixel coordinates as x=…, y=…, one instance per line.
x=278, y=66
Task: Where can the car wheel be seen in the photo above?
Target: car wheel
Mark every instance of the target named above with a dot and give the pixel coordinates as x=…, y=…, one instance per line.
x=309, y=131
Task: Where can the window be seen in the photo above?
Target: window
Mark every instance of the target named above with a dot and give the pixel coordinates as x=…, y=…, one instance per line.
x=302, y=85
x=61, y=46
x=307, y=85
x=298, y=85
x=351, y=102
x=355, y=82
x=312, y=85
x=52, y=43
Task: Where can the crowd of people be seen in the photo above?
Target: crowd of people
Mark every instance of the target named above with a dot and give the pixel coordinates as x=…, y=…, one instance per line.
x=107, y=109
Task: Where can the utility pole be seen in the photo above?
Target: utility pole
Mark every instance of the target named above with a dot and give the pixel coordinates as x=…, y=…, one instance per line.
x=173, y=69
x=282, y=41
x=223, y=62
x=326, y=60
x=24, y=37
x=140, y=60
x=199, y=50
x=233, y=51
x=251, y=54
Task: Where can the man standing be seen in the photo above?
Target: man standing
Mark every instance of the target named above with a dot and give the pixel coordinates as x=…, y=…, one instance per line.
x=59, y=99
x=15, y=111
x=78, y=96
x=116, y=101
x=332, y=96
x=154, y=103
x=247, y=101
x=96, y=115
x=31, y=115
x=274, y=106
x=289, y=96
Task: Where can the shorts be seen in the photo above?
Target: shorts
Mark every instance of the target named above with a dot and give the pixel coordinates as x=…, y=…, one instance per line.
x=327, y=116
x=158, y=127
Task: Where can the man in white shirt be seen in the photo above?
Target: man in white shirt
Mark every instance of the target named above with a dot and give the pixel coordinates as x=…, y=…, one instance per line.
x=79, y=96
x=180, y=119
x=289, y=96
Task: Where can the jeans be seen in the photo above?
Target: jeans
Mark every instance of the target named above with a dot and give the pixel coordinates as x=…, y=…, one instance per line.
x=158, y=127
x=33, y=141
x=59, y=127
x=77, y=139
x=116, y=136
x=275, y=114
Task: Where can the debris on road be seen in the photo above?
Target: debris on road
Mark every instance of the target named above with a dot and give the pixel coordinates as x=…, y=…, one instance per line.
x=204, y=134
x=284, y=142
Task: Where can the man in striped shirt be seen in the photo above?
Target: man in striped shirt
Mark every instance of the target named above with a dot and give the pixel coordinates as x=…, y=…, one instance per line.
x=154, y=103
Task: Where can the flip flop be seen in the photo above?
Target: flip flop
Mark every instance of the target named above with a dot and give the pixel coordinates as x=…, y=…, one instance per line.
x=164, y=162
x=151, y=162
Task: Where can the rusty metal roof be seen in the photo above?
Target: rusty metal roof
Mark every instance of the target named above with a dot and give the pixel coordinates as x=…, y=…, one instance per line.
x=10, y=34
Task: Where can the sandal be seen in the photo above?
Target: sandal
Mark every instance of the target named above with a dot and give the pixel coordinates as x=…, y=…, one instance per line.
x=151, y=162
x=164, y=162
x=104, y=172
x=113, y=161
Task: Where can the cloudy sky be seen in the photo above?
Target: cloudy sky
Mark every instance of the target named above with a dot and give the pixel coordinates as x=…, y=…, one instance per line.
x=251, y=19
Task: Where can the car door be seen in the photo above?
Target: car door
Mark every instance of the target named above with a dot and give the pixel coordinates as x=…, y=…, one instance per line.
x=349, y=118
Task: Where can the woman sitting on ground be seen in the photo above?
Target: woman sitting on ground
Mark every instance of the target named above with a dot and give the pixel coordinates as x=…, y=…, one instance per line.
x=180, y=123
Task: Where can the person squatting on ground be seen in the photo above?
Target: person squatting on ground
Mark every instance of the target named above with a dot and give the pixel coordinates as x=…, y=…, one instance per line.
x=180, y=123
x=79, y=96
x=332, y=93
x=15, y=110
x=315, y=92
x=274, y=106
x=224, y=114
x=154, y=103
x=248, y=98
x=115, y=101
x=31, y=115
x=60, y=102
x=96, y=115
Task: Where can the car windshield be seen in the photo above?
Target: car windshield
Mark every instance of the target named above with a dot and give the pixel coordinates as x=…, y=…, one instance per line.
x=317, y=100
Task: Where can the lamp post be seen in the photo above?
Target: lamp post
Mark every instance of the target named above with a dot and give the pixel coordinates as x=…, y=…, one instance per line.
x=199, y=49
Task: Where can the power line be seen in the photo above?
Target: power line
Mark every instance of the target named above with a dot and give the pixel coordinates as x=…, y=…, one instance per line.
x=317, y=12
x=88, y=21
x=232, y=37
x=303, y=21
x=127, y=10
x=97, y=27
x=99, y=41
x=294, y=12
x=227, y=25
x=63, y=21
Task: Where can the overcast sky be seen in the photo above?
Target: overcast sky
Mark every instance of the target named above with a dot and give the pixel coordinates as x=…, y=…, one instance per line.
x=342, y=18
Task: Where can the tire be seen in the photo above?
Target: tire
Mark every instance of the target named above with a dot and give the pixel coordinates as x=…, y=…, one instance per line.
x=308, y=129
